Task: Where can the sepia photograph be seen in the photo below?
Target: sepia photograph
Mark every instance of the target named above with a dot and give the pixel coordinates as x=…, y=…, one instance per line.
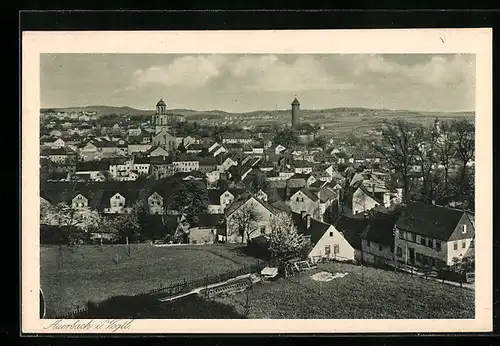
x=256, y=186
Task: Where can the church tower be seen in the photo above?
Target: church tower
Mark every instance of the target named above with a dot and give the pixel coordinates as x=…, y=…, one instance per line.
x=160, y=119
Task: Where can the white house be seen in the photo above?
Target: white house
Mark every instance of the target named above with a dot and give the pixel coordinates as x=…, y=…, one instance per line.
x=326, y=241
x=431, y=235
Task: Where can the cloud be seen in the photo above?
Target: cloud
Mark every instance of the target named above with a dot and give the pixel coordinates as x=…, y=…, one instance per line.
x=183, y=71
x=272, y=73
x=454, y=70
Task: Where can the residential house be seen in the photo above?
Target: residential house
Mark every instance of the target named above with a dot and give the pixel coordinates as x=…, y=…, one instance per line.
x=237, y=137
x=215, y=149
x=107, y=149
x=59, y=154
x=186, y=163
x=324, y=239
x=377, y=240
x=352, y=228
x=322, y=176
x=155, y=204
x=238, y=208
x=299, y=180
x=207, y=164
x=206, y=230
x=277, y=149
x=134, y=131
x=225, y=162
x=135, y=148
x=94, y=169
x=142, y=165
x=79, y=201
x=220, y=199
x=195, y=148
x=302, y=167
x=156, y=151
x=432, y=236
x=161, y=167
x=258, y=149
x=120, y=168
x=304, y=200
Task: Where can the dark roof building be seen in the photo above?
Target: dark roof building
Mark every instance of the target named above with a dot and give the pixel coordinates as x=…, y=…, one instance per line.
x=434, y=221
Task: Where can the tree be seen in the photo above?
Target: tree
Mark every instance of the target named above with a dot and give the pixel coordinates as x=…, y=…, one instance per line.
x=284, y=241
x=464, y=133
x=70, y=219
x=287, y=138
x=127, y=225
x=245, y=221
x=398, y=148
x=256, y=181
x=427, y=159
x=191, y=199
x=320, y=141
x=445, y=150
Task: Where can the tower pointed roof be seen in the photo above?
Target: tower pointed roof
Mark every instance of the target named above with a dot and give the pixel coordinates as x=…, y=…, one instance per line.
x=295, y=102
x=161, y=103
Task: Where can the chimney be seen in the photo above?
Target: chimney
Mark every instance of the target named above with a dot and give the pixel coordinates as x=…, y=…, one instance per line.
x=308, y=221
x=302, y=214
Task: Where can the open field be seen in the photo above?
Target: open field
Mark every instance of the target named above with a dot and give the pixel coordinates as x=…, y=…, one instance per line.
x=365, y=293
x=71, y=276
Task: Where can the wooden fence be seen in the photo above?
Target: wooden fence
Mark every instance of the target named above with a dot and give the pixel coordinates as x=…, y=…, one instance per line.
x=177, y=288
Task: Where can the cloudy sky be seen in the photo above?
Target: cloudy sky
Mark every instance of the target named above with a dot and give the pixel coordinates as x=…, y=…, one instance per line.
x=239, y=83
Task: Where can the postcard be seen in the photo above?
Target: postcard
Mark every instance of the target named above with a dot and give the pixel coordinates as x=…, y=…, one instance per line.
x=295, y=181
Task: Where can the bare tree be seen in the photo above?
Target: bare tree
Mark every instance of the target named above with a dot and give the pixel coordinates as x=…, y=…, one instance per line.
x=398, y=148
x=445, y=151
x=245, y=221
x=464, y=133
x=427, y=159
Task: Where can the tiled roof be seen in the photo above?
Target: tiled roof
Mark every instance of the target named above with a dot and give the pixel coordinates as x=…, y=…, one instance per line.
x=316, y=228
x=429, y=220
x=352, y=228
x=380, y=228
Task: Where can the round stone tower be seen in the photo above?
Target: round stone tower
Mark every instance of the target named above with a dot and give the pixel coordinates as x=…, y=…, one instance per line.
x=295, y=113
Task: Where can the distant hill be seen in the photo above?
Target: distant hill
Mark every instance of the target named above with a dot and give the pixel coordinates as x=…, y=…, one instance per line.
x=306, y=113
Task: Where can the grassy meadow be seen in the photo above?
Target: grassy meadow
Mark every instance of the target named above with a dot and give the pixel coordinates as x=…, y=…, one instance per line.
x=364, y=293
x=71, y=276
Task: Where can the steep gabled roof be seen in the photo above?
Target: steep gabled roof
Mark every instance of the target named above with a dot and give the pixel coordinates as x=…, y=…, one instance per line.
x=238, y=202
x=309, y=194
x=380, y=228
x=316, y=228
x=429, y=220
x=352, y=228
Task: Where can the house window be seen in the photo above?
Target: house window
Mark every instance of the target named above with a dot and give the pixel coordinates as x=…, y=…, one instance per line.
x=401, y=235
x=263, y=229
x=327, y=250
x=297, y=199
x=412, y=237
x=380, y=247
x=120, y=204
x=399, y=252
x=438, y=245
x=418, y=257
x=429, y=243
x=116, y=197
x=455, y=246
x=336, y=249
x=464, y=229
x=422, y=241
x=331, y=234
x=367, y=243
x=464, y=244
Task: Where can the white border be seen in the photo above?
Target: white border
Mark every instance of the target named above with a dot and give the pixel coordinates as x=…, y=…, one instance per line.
x=475, y=41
